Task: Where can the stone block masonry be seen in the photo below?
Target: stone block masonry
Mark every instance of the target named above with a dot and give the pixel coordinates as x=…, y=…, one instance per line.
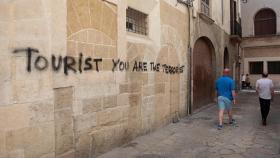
x=71, y=89
x=64, y=124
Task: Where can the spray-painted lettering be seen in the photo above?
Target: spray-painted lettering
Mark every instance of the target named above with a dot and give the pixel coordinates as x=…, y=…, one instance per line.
x=70, y=64
x=83, y=63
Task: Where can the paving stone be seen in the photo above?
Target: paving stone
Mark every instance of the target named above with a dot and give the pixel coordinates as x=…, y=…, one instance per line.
x=197, y=136
x=233, y=156
x=226, y=152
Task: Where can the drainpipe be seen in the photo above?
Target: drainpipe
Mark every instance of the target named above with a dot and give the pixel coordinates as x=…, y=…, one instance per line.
x=189, y=4
x=190, y=67
x=189, y=57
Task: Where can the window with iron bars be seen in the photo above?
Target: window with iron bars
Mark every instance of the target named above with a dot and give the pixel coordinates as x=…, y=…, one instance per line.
x=256, y=67
x=273, y=67
x=205, y=7
x=136, y=21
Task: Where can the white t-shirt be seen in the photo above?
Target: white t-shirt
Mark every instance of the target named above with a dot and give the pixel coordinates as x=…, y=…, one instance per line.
x=264, y=87
x=243, y=78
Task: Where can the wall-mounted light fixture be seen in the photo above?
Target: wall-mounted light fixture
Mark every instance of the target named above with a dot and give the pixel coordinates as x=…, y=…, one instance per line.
x=244, y=1
x=188, y=3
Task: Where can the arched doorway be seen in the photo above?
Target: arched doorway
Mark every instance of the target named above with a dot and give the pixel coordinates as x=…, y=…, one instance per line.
x=226, y=58
x=203, y=72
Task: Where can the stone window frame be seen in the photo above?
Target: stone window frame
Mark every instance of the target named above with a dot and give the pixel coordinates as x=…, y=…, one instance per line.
x=135, y=20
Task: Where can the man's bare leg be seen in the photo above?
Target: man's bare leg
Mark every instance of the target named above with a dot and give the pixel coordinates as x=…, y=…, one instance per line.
x=230, y=115
x=221, y=117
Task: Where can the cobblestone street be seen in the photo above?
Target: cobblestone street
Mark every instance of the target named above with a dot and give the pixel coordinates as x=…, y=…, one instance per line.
x=198, y=137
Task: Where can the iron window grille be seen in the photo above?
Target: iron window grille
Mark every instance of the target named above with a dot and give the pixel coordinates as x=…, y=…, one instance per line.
x=256, y=67
x=205, y=7
x=273, y=67
x=136, y=21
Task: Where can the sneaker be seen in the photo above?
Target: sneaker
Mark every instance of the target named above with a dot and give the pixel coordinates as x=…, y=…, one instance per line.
x=220, y=127
x=232, y=122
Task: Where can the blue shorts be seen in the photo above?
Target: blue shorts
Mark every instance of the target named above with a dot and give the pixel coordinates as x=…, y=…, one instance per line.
x=224, y=103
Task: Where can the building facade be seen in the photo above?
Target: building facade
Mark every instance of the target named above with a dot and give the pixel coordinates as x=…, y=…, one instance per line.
x=214, y=41
x=260, y=44
x=80, y=77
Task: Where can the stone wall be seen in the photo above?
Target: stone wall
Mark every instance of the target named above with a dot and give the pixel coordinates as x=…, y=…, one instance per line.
x=254, y=77
x=28, y=126
x=216, y=28
x=219, y=12
x=70, y=112
x=260, y=49
x=112, y=108
x=220, y=40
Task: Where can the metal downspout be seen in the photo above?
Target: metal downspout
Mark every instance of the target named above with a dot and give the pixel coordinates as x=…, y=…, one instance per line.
x=189, y=98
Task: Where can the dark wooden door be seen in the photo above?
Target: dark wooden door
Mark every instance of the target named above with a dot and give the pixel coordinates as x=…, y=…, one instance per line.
x=203, y=76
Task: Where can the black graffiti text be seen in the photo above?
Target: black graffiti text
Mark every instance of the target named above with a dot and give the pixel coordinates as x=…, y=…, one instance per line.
x=81, y=63
x=120, y=65
x=168, y=69
x=155, y=66
x=68, y=63
x=140, y=66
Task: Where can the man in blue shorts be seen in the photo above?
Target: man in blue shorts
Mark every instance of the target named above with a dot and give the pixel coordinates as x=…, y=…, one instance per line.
x=226, y=96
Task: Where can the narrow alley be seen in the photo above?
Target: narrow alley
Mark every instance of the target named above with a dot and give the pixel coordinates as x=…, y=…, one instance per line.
x=108, y=78
x=198, y=137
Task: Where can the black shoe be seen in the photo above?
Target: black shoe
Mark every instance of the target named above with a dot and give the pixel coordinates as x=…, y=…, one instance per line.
x=232, y=122
x=220, y=127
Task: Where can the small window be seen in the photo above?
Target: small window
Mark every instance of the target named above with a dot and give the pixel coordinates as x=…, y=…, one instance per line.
x=273, y=67
x=205, y=7
x=136, y=21
x=256, y=67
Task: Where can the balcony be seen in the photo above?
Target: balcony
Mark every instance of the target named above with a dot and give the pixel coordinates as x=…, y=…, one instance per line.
x=236, y=32
x=236, y=29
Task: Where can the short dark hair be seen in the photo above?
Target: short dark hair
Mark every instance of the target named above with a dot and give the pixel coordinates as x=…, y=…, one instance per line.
x=264, y=74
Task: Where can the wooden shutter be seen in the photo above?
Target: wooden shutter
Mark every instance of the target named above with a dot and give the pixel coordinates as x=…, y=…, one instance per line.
x=265, y=22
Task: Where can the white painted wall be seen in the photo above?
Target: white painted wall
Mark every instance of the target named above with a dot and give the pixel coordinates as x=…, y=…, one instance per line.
x=249, y=10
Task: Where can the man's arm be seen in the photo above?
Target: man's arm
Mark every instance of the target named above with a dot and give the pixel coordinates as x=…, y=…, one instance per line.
x=272, y=90
x=233, y=96
x=233, y=93
x=257, y=87
x=216, y=87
